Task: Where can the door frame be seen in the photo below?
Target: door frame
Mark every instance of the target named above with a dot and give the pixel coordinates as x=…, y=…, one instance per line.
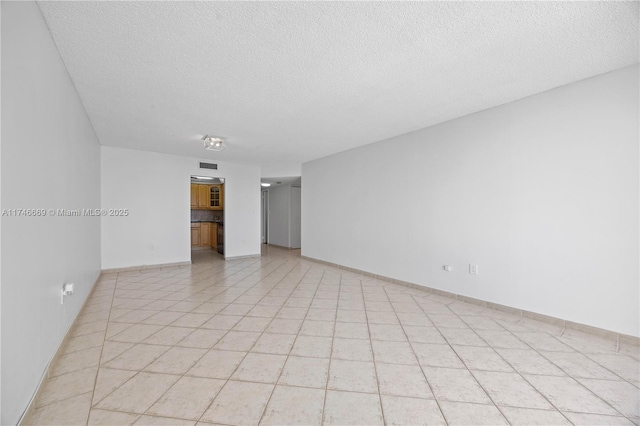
x=224, y=210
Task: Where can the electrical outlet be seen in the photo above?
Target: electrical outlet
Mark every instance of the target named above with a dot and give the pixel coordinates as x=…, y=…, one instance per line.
x=473, y=269
x=447, y=268
x=67, y=290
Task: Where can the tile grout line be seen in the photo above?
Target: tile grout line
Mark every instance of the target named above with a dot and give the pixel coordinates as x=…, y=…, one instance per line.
x=264, y=410
x=159, y=356
x=333, y=336
x=248, y=351
x=373, y=355
x=414, y=352
x=567, y=375
x=521, y=375
x=207, y=351
x=458, y=357
x=473, y=375
x=95, y=379
x=515, y=371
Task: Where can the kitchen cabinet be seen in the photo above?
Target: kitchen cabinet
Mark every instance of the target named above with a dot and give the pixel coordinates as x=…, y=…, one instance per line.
x=194, y=196
x=205, y=234
x=207, y=197
x=203, y=196
x=195, y=235
x=216, y=197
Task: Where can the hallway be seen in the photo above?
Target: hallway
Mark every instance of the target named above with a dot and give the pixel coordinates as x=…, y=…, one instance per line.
x=283, y=340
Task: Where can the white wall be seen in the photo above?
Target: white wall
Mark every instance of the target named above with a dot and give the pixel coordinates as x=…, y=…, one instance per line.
x=264, y=214
x=0, y=224
x=284, y=216
x=50, y=159
x=280, y=170
x=279, y=202
x=155, y=189
x=542, y=193
x=295, y=217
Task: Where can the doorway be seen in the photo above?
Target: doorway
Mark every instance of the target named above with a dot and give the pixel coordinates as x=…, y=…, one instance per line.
x=281, y=211
x=207, y=217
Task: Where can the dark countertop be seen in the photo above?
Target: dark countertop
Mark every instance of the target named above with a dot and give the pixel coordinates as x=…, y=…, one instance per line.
x=206, y=221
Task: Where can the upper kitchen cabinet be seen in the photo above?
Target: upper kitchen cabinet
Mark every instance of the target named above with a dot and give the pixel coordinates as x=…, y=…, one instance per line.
x=194, y=196
x=207, y=197
x=216, y=197
x=203, y=196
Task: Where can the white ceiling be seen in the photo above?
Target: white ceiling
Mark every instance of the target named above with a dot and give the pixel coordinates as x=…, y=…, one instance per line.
x=288, y=82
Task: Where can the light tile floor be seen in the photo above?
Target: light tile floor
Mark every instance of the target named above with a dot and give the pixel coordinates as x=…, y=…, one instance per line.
x=282, y=340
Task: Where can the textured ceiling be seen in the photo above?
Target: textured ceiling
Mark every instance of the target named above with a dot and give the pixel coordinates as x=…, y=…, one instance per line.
x=288, y=82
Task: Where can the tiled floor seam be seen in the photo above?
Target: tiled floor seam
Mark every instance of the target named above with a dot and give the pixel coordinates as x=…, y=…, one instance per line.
x=560, y=368
x=143, y=369
x=417, y=359
x=289, y=353
x=104, y=336
x=292, y=345
x=241, y=361
x=515, y=371
x=464, y=363
x=375, y=366
x=100, y=363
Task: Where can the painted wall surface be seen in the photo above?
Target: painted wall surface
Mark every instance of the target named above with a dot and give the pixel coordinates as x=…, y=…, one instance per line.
x=280, y=170
x=50, y=160
x=284, y=216
x=264, y=214
x=541, y=193
x=155, y=188
x=279, y=205
x=295, y=217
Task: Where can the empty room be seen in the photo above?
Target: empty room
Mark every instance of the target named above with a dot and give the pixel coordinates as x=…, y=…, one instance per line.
x=320, y=213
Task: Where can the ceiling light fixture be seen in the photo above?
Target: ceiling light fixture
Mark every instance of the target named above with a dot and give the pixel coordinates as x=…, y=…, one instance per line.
x=214, y=143
x=265, y=184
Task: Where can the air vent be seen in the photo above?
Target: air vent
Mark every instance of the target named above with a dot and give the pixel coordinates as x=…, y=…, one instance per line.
x=208, y=166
